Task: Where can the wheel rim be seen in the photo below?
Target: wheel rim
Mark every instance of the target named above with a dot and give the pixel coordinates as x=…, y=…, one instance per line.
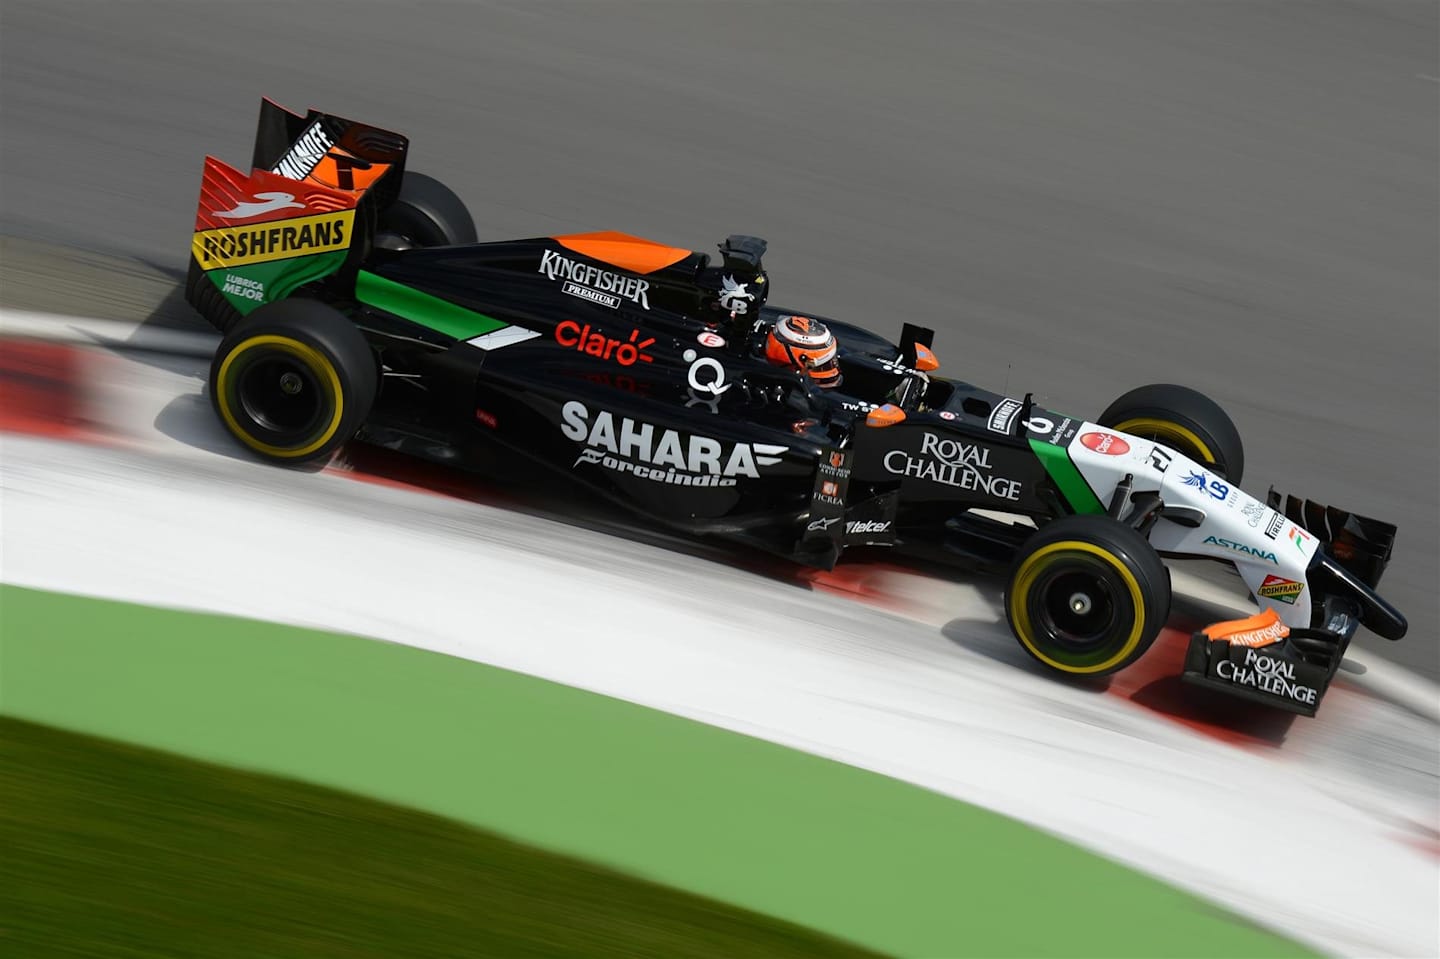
x=281, y=394
x=1075, y=608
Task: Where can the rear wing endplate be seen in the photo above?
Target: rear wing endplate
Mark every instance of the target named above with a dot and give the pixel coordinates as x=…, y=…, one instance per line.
x=305, y=212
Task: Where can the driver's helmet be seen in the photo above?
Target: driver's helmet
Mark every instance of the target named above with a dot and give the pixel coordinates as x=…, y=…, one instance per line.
x=806, y=346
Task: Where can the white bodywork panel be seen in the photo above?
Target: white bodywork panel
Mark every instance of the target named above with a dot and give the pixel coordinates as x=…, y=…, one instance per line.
x=1270, y=552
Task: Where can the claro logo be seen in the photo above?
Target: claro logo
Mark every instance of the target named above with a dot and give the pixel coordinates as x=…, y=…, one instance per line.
x=583, y=339
x=1107, y=443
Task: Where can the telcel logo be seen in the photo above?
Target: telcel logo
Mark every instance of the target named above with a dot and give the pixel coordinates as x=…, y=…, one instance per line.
x=591, y=342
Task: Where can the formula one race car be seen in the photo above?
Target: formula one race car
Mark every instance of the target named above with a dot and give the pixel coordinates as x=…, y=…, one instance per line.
x=356, y=303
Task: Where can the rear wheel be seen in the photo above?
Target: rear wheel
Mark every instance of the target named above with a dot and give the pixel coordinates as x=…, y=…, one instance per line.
x=293, y=381
x=1087, y=595
x=426, y=213
x=1184, y=420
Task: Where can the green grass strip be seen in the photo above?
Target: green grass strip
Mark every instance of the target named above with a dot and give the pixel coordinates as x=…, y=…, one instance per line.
x=114, y=850
x=813, y=842
x=423, y=308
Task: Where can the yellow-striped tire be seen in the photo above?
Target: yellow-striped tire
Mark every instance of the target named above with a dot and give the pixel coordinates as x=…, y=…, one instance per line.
x=293, y=381
x=1183, y=419
x=1087, y=595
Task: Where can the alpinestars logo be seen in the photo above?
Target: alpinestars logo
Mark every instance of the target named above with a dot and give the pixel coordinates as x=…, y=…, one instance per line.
x=660, y=455
x=306, y=154
x=591, y=283
x=269, y=203
x=734, y=297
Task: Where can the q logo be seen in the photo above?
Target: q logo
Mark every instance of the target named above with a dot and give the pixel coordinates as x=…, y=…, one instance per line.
x=706, y=375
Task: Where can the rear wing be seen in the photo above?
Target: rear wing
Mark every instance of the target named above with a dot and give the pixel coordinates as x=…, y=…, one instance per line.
x=329, y=151
x=305, y=211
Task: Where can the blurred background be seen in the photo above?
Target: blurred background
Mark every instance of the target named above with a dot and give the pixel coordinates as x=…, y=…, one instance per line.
x=1079, y=195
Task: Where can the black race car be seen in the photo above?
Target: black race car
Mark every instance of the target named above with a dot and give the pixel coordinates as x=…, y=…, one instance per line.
x=357, y=304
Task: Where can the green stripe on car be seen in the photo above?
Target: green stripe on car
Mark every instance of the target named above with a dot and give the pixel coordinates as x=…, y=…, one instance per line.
x=1072, y=485
x=428, y=310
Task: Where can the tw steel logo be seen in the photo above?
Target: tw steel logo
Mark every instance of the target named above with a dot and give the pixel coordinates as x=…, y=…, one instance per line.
x=583, y=339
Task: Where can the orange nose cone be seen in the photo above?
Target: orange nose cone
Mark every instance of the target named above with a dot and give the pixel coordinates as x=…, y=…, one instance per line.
x=925, y=360
x=887, y=415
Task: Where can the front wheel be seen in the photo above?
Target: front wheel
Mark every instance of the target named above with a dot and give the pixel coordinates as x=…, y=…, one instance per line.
x=1087, y=595
x=1184, y=420
x=293, y=381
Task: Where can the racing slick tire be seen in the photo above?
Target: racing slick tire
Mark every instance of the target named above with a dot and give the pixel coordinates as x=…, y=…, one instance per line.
x=1087, y=595
x=1183, y=419
x=293, y=381
x=426, y=213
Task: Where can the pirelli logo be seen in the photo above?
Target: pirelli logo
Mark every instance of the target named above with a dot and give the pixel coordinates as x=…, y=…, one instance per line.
x=234, y=246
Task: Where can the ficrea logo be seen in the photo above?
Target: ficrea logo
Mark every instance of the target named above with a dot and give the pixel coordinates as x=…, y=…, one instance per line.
x=1107, y=443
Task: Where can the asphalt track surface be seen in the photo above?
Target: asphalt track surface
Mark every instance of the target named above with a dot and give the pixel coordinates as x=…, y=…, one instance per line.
x=1079, y=196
